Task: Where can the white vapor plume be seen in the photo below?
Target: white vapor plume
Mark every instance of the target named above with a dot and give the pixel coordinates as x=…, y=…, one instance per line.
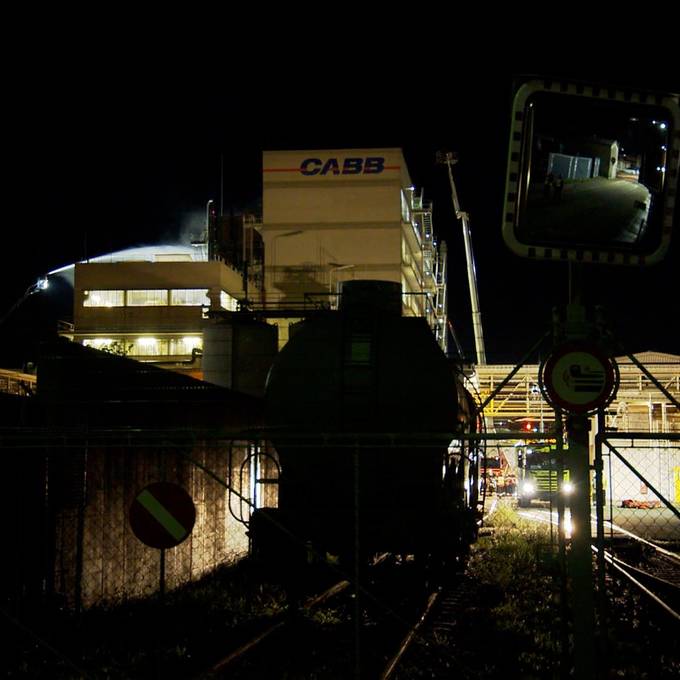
x=161, y=252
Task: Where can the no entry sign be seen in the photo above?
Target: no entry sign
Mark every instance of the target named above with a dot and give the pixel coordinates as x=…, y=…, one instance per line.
x=162, y=515
x=578, y=377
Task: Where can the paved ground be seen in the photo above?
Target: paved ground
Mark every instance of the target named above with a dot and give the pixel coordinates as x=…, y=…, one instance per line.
x=654, y=525
x=659, y=524
x=594, y=212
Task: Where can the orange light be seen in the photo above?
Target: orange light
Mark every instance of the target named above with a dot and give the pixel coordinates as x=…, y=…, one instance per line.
x=527, y=427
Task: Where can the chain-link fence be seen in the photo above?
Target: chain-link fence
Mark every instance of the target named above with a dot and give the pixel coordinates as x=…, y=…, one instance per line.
x=69, y=512
x=640, y=481
x=641, y=478
x=528, y=538
x=67, y=509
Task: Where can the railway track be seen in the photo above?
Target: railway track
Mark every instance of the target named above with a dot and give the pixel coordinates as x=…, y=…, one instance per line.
x=395, y=615
x=438, y=634
x=219, y=668
x=653, y=571
x=656, y=572
x=291, y=625
x=436, y=637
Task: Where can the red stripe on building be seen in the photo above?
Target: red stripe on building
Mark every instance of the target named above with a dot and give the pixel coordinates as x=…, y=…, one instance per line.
x=387, y=167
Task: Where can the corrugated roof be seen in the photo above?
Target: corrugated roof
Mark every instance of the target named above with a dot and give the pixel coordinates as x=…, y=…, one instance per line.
x=651, y=357
x=78, y=384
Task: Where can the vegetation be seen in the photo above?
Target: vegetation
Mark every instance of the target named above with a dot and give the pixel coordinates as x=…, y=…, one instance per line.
x=511, y=622
x=173, y=637
x=514, y=622
x=519, y=567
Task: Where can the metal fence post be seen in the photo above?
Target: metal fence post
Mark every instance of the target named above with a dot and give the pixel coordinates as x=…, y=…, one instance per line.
x=357, y=567
x=561, y=541
x=161, y=561
x=599, y=514
x=580, y=555
x=80, y=533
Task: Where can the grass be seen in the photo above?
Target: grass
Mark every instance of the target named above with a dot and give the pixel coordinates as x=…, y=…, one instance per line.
x=513, y=626
x=519, y=567
x=518, y=627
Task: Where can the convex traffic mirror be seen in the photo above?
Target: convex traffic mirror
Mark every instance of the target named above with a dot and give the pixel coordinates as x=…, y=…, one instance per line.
x=592, y=173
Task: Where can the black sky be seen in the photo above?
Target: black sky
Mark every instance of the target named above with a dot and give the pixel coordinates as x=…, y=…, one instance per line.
x=131, y=157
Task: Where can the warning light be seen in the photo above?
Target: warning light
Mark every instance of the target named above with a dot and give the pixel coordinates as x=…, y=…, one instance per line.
x=528, y=427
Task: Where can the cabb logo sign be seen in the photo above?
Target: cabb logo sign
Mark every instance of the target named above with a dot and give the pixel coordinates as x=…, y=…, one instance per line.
x=349, y=166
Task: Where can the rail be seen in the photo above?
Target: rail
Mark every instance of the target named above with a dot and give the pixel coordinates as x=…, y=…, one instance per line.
x=626, y=570
x=241, y=651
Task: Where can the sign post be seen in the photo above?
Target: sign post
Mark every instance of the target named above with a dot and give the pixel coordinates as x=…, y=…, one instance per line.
x=579, y=378
x=162, y=516
x=579, y=560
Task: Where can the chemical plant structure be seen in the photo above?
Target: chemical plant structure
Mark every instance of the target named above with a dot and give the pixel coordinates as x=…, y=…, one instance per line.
x=338, y=294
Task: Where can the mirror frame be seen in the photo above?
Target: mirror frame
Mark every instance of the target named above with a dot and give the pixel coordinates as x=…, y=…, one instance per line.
x=605, y=254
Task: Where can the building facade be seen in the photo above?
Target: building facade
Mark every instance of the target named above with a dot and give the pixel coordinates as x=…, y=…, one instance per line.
x=152, y=306
x=335, y=215
x=328, y=217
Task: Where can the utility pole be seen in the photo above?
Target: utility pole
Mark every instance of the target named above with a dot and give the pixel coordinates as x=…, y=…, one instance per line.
x=449, y=158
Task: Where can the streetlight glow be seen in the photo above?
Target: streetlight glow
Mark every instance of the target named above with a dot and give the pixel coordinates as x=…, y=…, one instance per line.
x=41, y=284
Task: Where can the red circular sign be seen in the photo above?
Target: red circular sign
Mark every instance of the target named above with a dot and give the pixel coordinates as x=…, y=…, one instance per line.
x=578, y=377
x=162, y=515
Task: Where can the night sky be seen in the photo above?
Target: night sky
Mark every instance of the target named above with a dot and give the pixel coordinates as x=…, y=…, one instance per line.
x=131, y=157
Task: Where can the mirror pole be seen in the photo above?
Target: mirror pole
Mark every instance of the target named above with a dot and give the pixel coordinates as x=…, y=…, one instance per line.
x=579, y=561
x=579, y=557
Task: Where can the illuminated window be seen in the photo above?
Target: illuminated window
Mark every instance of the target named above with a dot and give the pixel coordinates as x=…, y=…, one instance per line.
x=97, y=343
x=149, y=347
x=190, y=297
x=228, y=302
x=147, y=298
x=104, y=298
x=184, y=345
x=118, y=346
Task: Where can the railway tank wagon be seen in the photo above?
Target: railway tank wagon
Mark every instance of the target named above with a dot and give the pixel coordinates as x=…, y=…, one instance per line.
x=361, y=405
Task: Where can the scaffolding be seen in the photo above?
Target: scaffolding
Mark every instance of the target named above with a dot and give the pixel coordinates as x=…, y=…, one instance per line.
x=433, y=282
x=638, y=405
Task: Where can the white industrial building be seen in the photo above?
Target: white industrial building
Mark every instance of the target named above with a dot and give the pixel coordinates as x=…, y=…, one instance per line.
x=335, y=215
x=328, y=216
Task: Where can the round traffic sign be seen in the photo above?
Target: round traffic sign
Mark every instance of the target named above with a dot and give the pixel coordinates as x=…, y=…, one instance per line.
x=578, y=377
x=162, y=515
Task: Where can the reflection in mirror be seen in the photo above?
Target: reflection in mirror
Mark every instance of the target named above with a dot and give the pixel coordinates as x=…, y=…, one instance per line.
x=592, y=173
